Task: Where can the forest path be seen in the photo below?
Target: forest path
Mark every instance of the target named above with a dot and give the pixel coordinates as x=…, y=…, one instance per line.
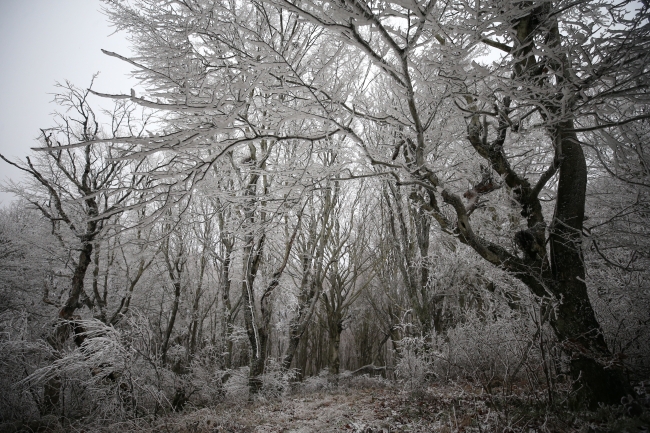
x=369, y=410
x=356, y=411
x=382, y=408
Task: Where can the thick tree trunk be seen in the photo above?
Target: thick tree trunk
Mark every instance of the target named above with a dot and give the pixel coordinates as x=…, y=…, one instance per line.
x=258, y=361
x=335, y=330
x=298, y=328
x=561, y=272
x=292, y=348
x=310, y=289
x=412, y=246
x=72, y=303
x=597, y=376
x=298, y=324
x=52, y=388
x=195, y=321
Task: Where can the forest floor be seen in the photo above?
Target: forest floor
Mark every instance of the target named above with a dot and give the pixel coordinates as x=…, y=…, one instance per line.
x=376, y=408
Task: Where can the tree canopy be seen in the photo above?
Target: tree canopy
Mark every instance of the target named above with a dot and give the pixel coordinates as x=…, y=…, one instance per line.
x=391, y=169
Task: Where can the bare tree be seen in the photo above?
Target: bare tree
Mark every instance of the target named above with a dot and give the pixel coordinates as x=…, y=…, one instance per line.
x=312, y=263
x=539, y=56
x=405, y=84
x=350, y=267
x=79, y=185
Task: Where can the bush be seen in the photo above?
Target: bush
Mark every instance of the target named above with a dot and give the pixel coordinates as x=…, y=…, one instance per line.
x=414, y=365
x=492, y=353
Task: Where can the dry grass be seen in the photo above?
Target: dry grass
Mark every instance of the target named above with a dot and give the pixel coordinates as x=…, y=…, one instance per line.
x=371, y=406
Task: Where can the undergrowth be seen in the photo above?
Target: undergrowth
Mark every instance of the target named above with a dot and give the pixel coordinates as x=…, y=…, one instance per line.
x=327, y=403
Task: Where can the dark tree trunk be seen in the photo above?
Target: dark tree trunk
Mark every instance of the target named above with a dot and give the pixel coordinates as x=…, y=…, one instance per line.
x=229, y=314
x=292, y=348
x=72, y=303
x=559, y=272
x=195, y=322
x=299, y=324
x=52, y=388
x=412, y=248
x=599, y=378
x=257, y=363
x=172, y=320
x=335, y=330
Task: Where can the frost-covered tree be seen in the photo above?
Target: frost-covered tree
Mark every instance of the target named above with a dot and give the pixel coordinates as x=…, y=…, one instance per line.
x=77, y=183
x=480, y=111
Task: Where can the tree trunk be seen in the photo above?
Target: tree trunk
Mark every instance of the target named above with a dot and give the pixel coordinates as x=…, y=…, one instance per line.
x=335, y=330
x=257, y=363
x=256, y=336
x=561, y=272
x=292, y=347
x=410, y=231
x=72, y=303
x=228, y=316
x=52, y=388
x=195, y=321
x=298, y=324
x=598, y=377
x=172, y=320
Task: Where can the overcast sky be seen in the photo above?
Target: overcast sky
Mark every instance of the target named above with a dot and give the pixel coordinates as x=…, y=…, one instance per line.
x=42, y=42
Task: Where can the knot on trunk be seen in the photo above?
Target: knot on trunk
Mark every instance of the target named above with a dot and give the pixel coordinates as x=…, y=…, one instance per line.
x=530, y=243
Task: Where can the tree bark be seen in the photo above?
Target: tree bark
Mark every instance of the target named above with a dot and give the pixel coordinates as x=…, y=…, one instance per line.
x=312, y=262
x=299, y=324
x=560, y=272
x=172, y=320
x=195, y=316
x=52, y=388
x=599, y=377
x=72, y=303
x=256, y=336
x=229, y=314
x=335, y=330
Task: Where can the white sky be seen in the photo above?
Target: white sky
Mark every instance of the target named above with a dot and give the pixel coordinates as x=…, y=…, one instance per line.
x=42, y=42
